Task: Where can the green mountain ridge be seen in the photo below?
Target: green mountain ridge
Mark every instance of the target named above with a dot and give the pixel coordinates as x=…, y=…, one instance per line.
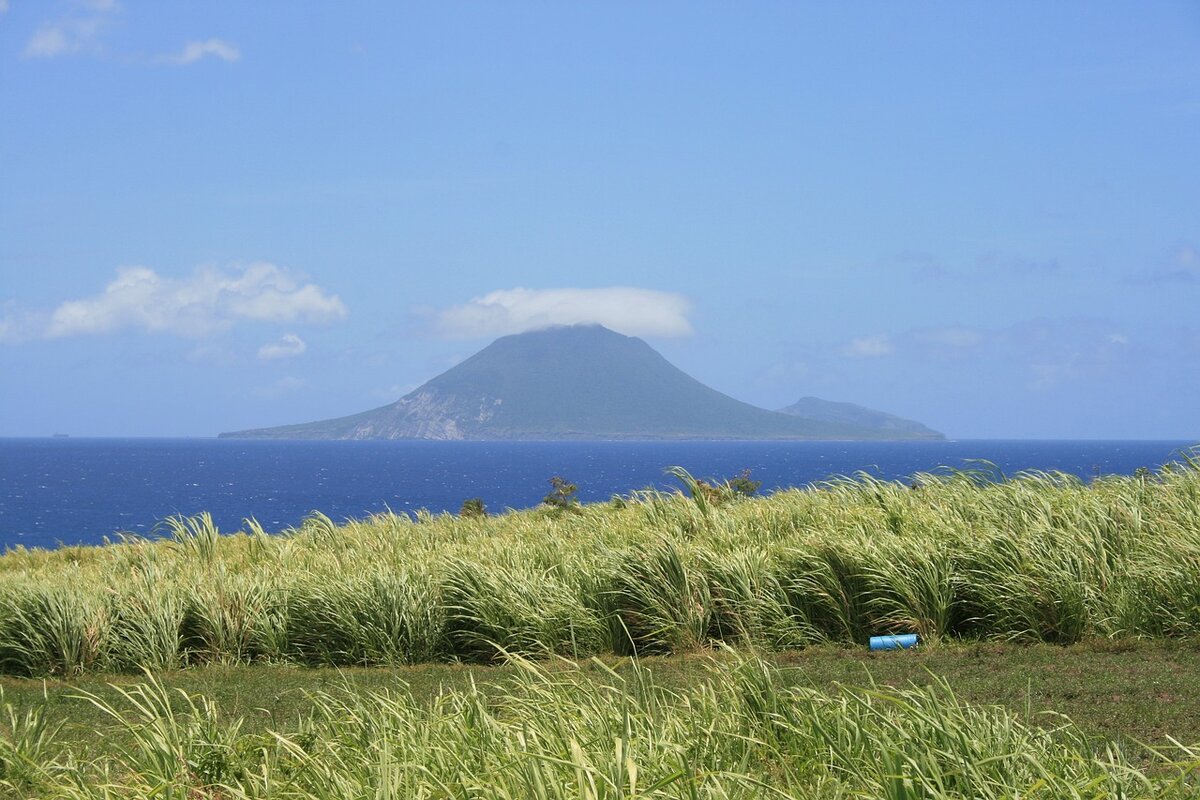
x=575, y=382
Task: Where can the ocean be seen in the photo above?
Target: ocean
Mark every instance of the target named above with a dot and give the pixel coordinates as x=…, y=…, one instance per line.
x=79, y=491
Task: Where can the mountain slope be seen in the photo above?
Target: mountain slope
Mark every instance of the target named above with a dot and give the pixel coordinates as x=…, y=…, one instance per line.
x=564, y=383
x=820, y=410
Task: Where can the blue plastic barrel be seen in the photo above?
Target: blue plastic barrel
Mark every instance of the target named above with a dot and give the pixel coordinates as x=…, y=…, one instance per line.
x=900, y=641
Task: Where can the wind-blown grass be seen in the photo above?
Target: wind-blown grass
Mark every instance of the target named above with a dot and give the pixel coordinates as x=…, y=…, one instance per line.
x=737, y=731
x=1038, y=557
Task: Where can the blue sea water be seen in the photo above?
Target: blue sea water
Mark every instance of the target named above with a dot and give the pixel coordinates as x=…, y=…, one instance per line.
x=78, y=491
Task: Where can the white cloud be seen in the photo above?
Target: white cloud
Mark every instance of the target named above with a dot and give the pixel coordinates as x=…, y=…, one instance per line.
x=73, y=34
x=869, y=347
x=628, y=310
x=207, y=301
x=15, y=328
x=289, y=346
x=18, y=325
x=194, y=51
x=1041, y=342
x=3, y=6
x=954, y=341
x=49, y=41
x=82, y=30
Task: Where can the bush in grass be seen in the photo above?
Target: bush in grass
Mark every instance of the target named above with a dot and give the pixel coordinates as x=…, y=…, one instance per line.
x=562, y=495
x=473, y=509
x=741, y=485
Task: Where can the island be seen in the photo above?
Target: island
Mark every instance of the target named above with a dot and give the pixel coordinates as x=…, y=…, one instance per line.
x=585, y=382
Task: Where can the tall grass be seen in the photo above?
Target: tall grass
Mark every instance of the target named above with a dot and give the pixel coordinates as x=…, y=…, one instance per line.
x=1037, y=557
x=739, y=731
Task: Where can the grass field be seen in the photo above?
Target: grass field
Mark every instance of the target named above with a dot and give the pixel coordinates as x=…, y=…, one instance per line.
x=1145, y=691
x=973, y=720
x=386, y=657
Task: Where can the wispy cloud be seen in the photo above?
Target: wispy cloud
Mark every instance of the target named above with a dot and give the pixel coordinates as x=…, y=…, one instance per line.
x=3, y=6
x=195, y=51
x=956, y=336
x=1051, y=352
x=1182, y=267
x=1063, y=351
x=78, y=32
x=868, y=347
x=208, y=301
x=628, y=310
x=81, y=32
x=283, y=386
x=65, y=37
x=1015, y=266
x=288, y=346
x=47, y=42
x=20, y=325
x=985, y=267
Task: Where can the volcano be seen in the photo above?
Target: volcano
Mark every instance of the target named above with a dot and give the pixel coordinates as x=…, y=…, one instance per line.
x=577, y=382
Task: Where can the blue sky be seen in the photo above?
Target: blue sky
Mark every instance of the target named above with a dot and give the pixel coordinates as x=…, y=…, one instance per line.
x=218, y=216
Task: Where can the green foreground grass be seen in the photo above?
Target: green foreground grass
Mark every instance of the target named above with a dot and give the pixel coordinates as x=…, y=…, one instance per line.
x=974, y=720
x=1129, y=692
